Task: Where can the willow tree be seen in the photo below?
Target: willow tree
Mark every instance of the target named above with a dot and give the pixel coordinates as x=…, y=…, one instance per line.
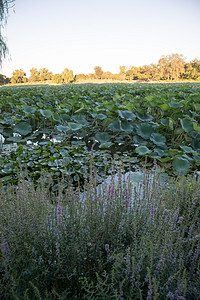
x=5, y=5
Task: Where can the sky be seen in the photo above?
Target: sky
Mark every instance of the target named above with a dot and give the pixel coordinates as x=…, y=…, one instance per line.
x=82, y=34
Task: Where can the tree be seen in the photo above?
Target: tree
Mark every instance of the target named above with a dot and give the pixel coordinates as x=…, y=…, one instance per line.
x=57, y=78
x=35, y=76
x=67, y=75
x=18, y=76
x=4, y=7
x=171, y=66
x=4, y=79
x=45, y=74
x=98, y=72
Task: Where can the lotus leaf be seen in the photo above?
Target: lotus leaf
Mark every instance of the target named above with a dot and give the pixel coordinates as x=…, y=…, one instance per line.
x=144, y=130
x=126, y=126
x=74, y=126
x=114, y=126
x=187, y=149
x=126, y=114
x=158, y=139
x=46, y=113
x=142, y=150
x=138, y=140
x=175, y=104
x=23, y=128
x=29, y=109
x=181, y=165
x=102, y=137
x=196, y=127
x=186, y=125
x=144, y=117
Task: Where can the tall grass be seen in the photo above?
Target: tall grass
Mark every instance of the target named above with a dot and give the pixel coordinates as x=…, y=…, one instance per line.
x=107, y=242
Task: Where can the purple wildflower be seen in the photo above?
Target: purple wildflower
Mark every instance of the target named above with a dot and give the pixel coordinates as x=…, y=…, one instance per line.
x=5, y=247
x=59, y=211
x=152, y=209
x=112, y=192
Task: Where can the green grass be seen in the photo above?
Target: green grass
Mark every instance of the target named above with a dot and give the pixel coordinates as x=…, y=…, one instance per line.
x=113, y=241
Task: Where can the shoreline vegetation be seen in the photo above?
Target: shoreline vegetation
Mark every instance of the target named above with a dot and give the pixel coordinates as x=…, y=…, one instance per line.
x=113, y=242
x=170, y=68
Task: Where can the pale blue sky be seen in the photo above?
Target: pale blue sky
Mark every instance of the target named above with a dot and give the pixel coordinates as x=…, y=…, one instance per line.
x=82, y=34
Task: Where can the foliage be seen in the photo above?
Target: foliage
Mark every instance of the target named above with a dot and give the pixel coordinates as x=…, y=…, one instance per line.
x=121, y=240
x=5, y=5
x=71, y=123
x=18, y=76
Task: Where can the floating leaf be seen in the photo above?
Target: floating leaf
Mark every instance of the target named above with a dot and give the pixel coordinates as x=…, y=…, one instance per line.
x=196, y=127
x=144, y=117
x=114, y=126
x=165, y=107
x=126, y=114
x=102, y=137
x=105, y=145
x=181, y=165
x=138, y=140
x=74, y=126
x=144, y=130
x=56, y=117
x=126, y=126
x=164, y=122
x=175, y=104
x=158, y=139
x=62, y=128
x=187, y=149
x=142, y=150
x=186, y=125
x=29, y=109
x=23, y=128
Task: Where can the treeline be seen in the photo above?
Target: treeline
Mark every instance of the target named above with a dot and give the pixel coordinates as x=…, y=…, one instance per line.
x=169, y=68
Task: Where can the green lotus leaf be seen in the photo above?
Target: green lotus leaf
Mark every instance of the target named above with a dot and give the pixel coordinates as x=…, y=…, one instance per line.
x=126, y=114
x=114, y=126
x=29, y=109
x=56, y=117
x=160, y=152
x=74, y=126
x=186, y=125
x=175, y=104
x=138, y=140
x=65, y=118
x=62, y=128
x=165, y=159
x=23, y=128
x=164, y=122
x=105, y=145
x=142, y=150
x=196, y=127
x=80, y=118
x=158, y=139
x=99, y=116
x=188, y=149
x=126, y=126
x=102, y=137
x=66, y=160
x=181, y=165
x=165, y=107
x=46, y=113
x=196, y=157
x=144, y=117
x=7, y=132
x=144, y=130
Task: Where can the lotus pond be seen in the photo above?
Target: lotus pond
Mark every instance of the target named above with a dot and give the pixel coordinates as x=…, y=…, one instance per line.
x=60, y=128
